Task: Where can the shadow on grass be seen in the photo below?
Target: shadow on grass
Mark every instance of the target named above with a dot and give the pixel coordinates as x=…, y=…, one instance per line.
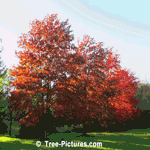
x=119, y=141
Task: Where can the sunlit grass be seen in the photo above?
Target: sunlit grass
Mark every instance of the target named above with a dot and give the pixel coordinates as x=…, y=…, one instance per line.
x=139, y=139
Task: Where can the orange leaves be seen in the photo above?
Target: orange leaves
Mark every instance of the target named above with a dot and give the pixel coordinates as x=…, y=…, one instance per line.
x=44, y=37
x=96, y=83
x=124, y=83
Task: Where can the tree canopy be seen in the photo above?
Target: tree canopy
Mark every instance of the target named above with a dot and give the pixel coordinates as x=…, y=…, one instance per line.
x=97, y=86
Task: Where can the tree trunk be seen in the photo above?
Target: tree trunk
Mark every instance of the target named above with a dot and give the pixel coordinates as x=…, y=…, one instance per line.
x=10, y=123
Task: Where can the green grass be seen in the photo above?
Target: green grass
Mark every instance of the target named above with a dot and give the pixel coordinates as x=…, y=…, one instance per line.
x=138, y=140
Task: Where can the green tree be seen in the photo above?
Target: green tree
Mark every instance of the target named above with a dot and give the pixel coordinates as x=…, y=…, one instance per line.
x=4, y=91
x=3, y=69
x=4, y=83
x=143, y=94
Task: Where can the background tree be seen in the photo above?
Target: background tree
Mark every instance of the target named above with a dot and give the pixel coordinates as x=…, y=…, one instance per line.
x=3, y=71
x=143, y=94
x=4, y=82
x=4, y=92
x=3, y=68
x=3, y=105
x=6, y=114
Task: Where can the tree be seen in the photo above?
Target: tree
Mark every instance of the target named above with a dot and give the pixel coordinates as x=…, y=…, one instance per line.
x=4, y=92
x=3, y=106
x=98, y=87
x=43, y=61
x=4, y=84
x=3, y=69
x=143, y=94
x=5, y=109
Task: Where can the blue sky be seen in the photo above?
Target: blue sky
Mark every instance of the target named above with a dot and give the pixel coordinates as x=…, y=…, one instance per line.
x=124, y=25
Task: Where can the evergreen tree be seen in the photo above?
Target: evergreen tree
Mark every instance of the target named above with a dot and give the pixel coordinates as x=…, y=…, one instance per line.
x=3, y=68
x=3, y=72
x=4, y=86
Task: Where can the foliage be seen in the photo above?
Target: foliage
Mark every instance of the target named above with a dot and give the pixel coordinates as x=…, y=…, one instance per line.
x=3, y=69
x=97, y=87
x=4, y=90
x=42, y=61
x=4, y=84
x=3, y=80
x=4, y=104
x=143, y=94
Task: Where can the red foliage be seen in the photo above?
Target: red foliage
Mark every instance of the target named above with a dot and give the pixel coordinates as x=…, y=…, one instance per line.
x=43, y=59
x=96, y=88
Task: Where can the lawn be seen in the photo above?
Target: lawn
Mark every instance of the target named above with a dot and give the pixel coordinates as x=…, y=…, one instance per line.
x=137, y=139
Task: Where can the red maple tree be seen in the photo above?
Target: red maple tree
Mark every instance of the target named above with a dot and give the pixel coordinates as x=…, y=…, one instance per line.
x=97, y=87
x=42, y=61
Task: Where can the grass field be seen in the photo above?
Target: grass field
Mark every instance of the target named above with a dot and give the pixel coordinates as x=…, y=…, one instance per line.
x=138, y=140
